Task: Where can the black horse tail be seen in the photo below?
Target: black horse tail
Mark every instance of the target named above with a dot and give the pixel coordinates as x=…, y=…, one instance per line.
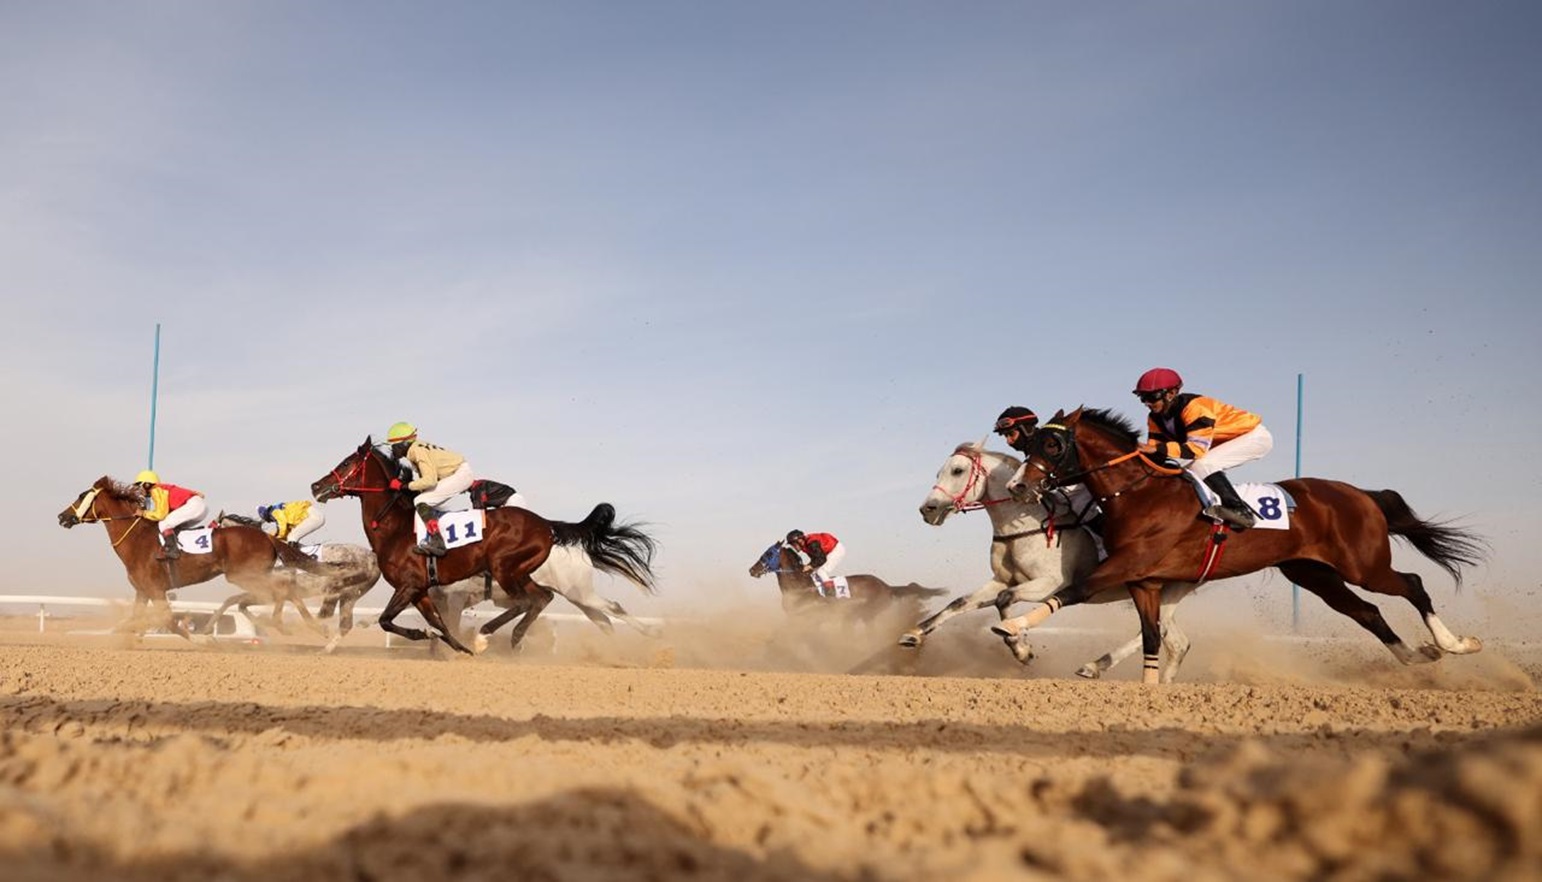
x=619, y=549
x=914, y=590
x=1449, y=546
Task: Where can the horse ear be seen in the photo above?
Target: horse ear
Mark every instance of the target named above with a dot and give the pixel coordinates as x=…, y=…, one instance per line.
x=985, y=439
x=369, y=441
x=1077, y=413
x=1059, y=415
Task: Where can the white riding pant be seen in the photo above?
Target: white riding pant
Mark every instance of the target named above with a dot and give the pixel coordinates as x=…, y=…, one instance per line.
x=193, y=509
x=1243, y=448
x=832, y=560
x=313, y=522
x=458, y=481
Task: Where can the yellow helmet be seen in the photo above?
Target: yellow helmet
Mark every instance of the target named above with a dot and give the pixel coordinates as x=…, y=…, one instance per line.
x=147, y=477
x=401, y=432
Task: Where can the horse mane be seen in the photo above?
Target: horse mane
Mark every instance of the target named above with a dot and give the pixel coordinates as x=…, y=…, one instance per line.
x=1112, y=423
x=120, y=489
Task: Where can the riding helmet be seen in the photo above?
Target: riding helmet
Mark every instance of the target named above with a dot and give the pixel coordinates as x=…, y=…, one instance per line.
x=1158, y=379
x=795, y=536
x=147, y=477
x=401, y=432
x=1014, y=417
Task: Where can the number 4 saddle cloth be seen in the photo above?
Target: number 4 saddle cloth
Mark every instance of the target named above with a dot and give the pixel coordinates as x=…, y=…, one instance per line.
x=1270, y=502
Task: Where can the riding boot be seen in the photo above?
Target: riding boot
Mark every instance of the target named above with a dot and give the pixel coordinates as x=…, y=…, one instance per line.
x=1232, y=510
x=170, y=550
x=432, y=544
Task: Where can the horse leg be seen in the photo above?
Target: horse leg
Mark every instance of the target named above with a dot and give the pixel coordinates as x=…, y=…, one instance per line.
x=536, y=603
x=1094, y=669
x=430, y=613
x=987, y=595
x=1411, y=588
x=1325, y=582
x=1175, y=643
x=230, y=601
x=400, y=600
x=617, y=611
x=1148, y=603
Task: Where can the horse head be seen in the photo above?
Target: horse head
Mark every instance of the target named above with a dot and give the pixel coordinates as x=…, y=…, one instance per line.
x=962, y=482
x=770, y=561
x=103, y=500
x=1073, y=448
x=364, y=470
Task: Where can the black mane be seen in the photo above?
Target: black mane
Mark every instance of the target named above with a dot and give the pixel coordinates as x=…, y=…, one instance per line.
x=1113, y=423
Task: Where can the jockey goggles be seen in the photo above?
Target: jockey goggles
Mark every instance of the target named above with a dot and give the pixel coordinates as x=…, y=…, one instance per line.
x=1007, y=424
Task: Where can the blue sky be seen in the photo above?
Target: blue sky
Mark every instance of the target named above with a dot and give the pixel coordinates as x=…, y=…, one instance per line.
x=739, y=268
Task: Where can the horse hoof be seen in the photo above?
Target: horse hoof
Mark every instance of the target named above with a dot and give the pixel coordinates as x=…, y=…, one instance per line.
x=1020, y=650
x=1002, y=632
x=1089, y=671
x=910, y=639
x=479, y=644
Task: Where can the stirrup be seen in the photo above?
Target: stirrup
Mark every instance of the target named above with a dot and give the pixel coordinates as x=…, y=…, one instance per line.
x=1237, y=520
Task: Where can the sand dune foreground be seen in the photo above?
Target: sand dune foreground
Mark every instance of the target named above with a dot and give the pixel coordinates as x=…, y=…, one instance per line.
x=200, y=765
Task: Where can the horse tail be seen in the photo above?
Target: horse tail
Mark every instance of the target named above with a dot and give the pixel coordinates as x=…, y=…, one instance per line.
x=914, y=590
x=1449, y=546
x=293, y=557
x=619, y=549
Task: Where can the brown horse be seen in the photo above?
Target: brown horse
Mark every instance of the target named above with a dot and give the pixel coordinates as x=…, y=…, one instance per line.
x=243, y=555
x=1338, y=534
x=870, y=595
x=515, y=542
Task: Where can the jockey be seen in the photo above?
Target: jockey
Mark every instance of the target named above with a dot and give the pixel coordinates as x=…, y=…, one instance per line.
x=1208, y=435
x=441, y=474
x=824, y=551
x=171, y=506
x=293, y=520
x=1016, y=425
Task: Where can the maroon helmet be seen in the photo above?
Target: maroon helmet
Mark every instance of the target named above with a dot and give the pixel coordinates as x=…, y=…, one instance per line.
x=1158, y=379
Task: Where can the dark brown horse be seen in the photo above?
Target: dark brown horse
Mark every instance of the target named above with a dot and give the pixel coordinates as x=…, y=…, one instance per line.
x=515, y=542
x=870, y=595
x=1153, y=532
x=243, y=555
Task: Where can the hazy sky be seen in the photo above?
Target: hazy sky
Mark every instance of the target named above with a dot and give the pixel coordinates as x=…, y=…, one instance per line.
x=743, y=267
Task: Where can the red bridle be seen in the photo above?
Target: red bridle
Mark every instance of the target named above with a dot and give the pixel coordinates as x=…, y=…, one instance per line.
x=961, y=502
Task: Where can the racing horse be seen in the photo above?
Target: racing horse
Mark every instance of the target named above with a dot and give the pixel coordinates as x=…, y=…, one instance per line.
x=1338, y=535
x=870, y=595
x=1036, y=549
x=352, y=571
x=243, y=555
x=567, y=573
x=515, y=542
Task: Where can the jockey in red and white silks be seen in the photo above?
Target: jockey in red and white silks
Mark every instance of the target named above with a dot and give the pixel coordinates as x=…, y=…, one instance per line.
x=825, y=552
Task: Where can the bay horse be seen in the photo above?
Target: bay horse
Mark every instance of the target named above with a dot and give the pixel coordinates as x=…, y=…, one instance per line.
x=243, y=555
x=1339, y=535
x=870, y=595
x=351, y=572
x=515, y=543
x=1036, y=549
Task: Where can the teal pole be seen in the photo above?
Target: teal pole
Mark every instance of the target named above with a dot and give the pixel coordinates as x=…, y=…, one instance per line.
x=155, y=388
x=1295, y=590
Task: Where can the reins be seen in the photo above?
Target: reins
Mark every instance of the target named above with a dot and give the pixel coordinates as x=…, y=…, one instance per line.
x=960, y=502
x=85, y=513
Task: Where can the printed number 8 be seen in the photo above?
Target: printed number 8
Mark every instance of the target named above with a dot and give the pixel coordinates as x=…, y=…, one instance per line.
x=1269, y=508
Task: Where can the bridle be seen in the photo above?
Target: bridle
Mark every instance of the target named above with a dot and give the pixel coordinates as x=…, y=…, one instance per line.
x=340, y=484
x=85, y=513
x=961, y=501
x=1052, y=481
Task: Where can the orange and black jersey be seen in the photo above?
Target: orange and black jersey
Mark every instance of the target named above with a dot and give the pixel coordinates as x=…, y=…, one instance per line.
x=1195, y=423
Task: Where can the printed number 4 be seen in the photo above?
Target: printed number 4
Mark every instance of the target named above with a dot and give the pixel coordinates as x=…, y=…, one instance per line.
x=1269, y=508
x=202, y=541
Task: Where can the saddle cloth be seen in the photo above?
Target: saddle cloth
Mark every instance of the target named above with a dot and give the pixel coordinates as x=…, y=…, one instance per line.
x=196, y=540
x=1270, y=502
x=459, y=527
x=839, y=589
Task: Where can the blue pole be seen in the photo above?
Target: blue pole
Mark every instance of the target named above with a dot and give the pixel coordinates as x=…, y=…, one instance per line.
x=155, y=388
x=1295, y=590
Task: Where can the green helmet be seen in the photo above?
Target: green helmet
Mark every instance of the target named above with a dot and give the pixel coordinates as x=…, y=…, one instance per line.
x=401, y=432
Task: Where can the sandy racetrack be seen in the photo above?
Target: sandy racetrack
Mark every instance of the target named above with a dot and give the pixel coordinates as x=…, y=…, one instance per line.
x=179, y=763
